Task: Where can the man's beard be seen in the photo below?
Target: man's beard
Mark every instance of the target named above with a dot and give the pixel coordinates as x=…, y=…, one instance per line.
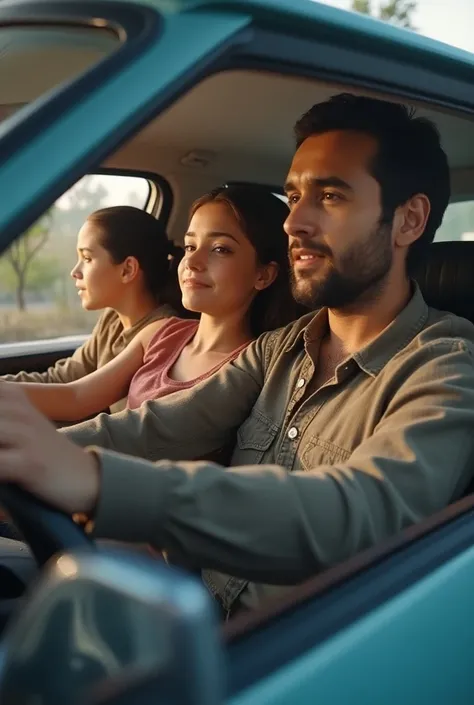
x=359, y=273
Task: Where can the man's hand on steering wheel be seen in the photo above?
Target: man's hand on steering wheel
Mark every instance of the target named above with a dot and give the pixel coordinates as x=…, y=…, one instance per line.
x=40, y=460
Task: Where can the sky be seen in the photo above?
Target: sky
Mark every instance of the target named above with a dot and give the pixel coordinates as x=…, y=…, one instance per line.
x=449, y=21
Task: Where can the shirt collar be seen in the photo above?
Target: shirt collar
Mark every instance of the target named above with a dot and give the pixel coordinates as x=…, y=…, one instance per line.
x=314, y=329
x=396, y=336
x=374, y=356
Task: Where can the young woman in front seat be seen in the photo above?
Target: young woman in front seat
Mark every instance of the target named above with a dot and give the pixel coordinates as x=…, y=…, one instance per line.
x=235, y=272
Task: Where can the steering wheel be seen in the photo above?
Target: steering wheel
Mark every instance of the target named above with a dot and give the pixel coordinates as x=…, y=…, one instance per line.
x=46, y=530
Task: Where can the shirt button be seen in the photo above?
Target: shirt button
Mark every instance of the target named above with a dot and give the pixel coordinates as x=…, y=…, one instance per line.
x=292, y=433
x=300, y=383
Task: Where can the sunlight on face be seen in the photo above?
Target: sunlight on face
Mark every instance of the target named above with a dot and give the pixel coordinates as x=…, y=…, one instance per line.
x=219, y=271
x=339, y=250
x=97, y=277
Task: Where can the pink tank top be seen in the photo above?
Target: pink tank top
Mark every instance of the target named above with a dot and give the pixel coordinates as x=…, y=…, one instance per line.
x=152, y=381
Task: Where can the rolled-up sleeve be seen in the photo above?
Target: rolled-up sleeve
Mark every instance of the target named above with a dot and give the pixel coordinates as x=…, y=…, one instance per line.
x=266, y=524
x=187, y=424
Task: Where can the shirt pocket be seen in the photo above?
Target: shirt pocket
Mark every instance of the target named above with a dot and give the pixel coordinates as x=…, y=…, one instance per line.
x=254, y=438
x=319, y=451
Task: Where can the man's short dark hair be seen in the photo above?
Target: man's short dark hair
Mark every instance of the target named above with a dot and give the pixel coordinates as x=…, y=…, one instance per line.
x=409, y=160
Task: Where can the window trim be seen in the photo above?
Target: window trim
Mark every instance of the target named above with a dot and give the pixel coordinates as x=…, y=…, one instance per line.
x=326, y=58
x=160, y=203
x=42, y=346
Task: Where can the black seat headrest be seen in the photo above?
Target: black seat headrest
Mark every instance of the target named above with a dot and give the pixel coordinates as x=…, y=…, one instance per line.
x=446, y=278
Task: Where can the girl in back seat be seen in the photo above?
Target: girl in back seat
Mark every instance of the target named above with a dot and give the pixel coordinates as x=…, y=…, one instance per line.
x=124, y=266
x=234, y=272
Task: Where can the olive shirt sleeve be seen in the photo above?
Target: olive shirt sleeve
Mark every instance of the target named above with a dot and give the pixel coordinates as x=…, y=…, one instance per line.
x=418, y=459
x=189, y=424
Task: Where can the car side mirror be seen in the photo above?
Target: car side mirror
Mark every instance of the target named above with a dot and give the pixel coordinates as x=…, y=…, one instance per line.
x=98, y=625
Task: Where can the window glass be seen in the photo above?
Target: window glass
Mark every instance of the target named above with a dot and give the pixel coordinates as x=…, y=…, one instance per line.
x=38, y=299
x=458, y=222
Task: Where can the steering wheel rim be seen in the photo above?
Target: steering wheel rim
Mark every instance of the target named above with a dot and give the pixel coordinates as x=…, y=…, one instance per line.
x=46, y=530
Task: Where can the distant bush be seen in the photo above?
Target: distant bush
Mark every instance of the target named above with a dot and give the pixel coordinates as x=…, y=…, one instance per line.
x=47, y=322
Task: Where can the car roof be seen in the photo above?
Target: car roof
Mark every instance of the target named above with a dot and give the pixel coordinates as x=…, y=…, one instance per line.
x=321, y=17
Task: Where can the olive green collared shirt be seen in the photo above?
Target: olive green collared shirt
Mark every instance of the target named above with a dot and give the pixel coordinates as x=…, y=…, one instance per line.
x=386, y=442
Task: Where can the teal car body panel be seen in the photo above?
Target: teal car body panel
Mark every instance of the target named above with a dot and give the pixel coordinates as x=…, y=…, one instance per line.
x=412, y=649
